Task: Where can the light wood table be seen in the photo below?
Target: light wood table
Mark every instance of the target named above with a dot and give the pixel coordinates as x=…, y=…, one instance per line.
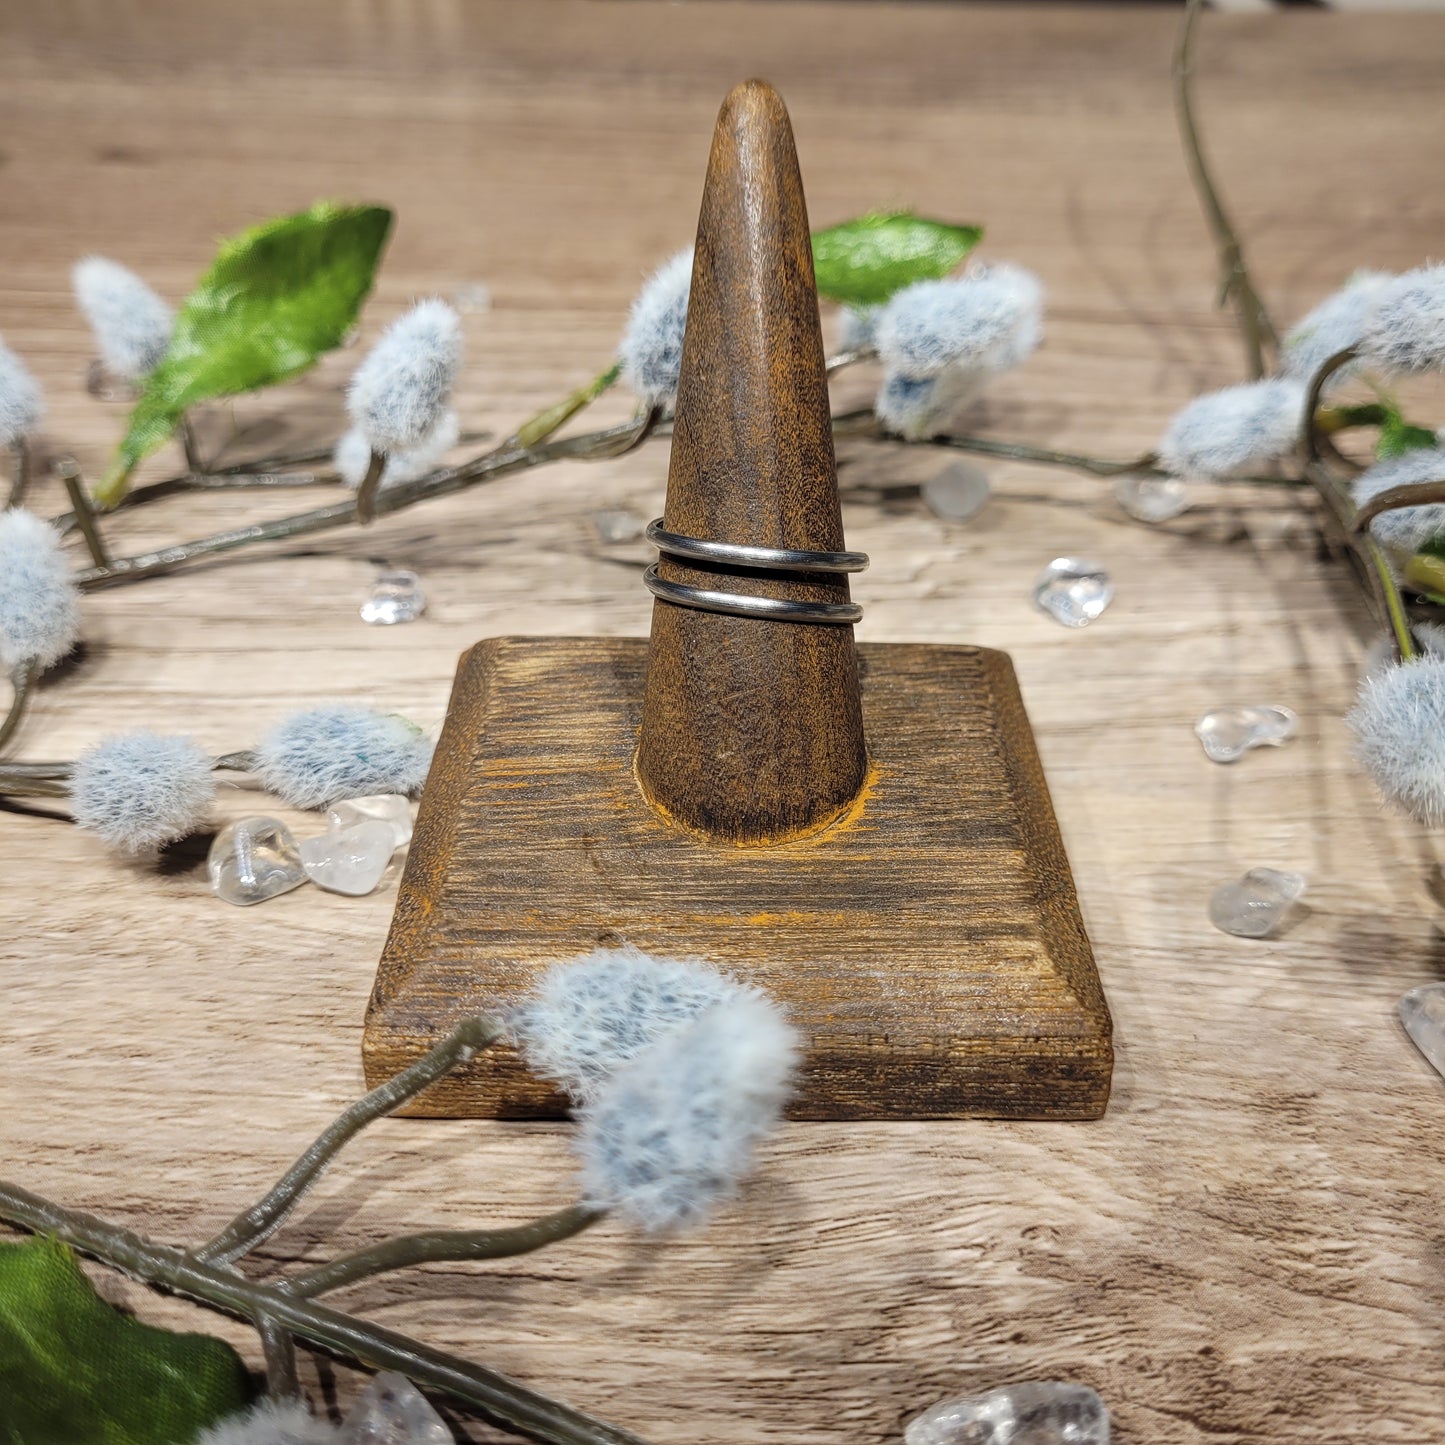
x=1249, y=1247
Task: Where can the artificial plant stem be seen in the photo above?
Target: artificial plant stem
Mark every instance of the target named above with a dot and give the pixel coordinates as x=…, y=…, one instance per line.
x=22, y=682
x=609, y=442
x=366, y=493
x=212, y=482
x=443, y=1246
x=501, y=1400
x=1412, y=494
x=863, y=423
x=191, y=451
x=540, y=427
x=1383, y=587
x=1313, y=432
x=279, y=1349
x=1254, y=323
x=19, y=472
x=252, y=1225
x=82, y=510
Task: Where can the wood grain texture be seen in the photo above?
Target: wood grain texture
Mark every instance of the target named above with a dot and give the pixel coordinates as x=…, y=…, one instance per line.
x=1247, y=1249
x=927, y=945
x=751, y=728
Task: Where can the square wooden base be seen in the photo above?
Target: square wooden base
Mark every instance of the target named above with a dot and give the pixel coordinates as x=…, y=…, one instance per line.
x=928, y=944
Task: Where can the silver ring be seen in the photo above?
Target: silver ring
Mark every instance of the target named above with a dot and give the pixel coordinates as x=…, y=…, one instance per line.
x=776, y=609
x=775, y=559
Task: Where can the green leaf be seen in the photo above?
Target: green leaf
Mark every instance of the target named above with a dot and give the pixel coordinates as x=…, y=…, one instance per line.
x=74, y=1371
x=864, y=262
x=1398, y=436
x=277, y=297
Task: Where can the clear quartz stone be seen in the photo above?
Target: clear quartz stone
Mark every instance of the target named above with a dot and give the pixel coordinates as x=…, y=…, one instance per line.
x=349, y=860
x=1037, y=1412
x=254, y=859
x=1229, y=732
x=472, y=296
x=960, y=491
x=1255, y=905
x=1422, y=1011
x=390, y=808
x=618, y=526
x=392, y=1411
x=394, y=597
x=1152, y=499
x=1073, y=591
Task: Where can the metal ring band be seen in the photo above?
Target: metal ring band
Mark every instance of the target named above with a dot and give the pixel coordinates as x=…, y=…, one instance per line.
x=776, y=609
x=776, y=559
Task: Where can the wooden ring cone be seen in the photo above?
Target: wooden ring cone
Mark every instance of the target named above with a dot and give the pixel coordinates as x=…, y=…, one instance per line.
x=709, y=794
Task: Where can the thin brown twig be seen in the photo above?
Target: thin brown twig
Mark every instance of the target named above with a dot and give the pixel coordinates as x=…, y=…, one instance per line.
x=1255, y=326
x=502, y=1401
x=19, y=472
x=22, y=681
x=443, y=1246
x=82, y=510
x=608, y=442
x=256, y=1223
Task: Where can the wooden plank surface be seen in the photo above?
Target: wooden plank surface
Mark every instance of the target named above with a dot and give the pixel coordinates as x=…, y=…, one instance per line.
x=1248, y=1247
x=927, y=945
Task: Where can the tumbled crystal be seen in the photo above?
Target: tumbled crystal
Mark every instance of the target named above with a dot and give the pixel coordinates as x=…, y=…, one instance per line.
x=349, y=860
x=1152, y=499
x=254, y=859
x=1422, y=1011
x=1073, y=591
x=1255, y=906
x=392, y=1411
x=1229, y=732
x=394, y=597
x=472, y=296
x=391, y=808
x=958, y=492
x=618, y=526
x=1037, y=1412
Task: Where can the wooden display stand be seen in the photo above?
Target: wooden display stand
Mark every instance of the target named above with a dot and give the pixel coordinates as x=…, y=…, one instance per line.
x=710, y=793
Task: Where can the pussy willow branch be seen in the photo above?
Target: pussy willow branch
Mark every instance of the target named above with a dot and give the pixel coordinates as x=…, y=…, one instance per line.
x=863, y=423
x=19, y=472
x=1413, y=494
x=278, y=1345
x=1255, y=326
x=256, y=1223
x=22, y=683
x=1380, y=576
x=500, y=1400
x=608, y=442
x=443, y=1246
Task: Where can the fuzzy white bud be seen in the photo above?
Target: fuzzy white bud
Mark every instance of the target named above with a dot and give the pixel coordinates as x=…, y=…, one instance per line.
x=1406, y=529
x=1336, y=324
x=352, y=457
x=1399, y=723
x=651, y=347
x=1226, y=432
x=400, y=391
x=21, y=401
x=142, y=789
x=942, y=342
x=1405, y=331
x=592, y=1014
x=342, y=750
x=672, y=1132
x=131, y=324
x=39, y=601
